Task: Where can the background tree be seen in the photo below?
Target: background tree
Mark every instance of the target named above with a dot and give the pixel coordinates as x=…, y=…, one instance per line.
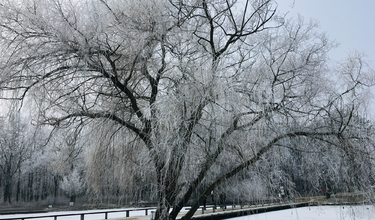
x=196, y=90
x=15, y=149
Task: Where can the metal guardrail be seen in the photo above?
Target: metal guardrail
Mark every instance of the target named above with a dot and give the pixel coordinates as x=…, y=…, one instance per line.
x=242, y=204
x=127, y=211
x=82, y=214
x=248, y=211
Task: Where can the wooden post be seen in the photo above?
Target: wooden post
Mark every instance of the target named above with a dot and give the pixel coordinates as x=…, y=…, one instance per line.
x=82, y=216
x=106, y=215
x=55, y=218
x=146, y=212
x=127, y=213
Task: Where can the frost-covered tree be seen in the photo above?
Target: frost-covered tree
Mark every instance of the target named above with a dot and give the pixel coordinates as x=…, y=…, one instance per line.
x=72, y=185
x=15, y=149
x=65, y=160
x=22, y=161
x=192, y=91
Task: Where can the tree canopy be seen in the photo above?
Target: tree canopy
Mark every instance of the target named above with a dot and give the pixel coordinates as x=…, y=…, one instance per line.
x=194, y=91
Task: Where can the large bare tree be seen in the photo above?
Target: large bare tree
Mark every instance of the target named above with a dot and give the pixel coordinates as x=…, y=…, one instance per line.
x=183, y=85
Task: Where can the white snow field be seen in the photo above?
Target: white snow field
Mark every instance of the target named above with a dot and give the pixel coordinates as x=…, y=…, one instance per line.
x=317, y=213
x=306, y=213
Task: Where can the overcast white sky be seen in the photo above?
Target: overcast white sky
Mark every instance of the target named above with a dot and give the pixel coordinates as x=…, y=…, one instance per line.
x=351, y=23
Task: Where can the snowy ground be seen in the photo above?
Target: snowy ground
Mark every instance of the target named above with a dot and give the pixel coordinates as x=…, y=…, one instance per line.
x=317, y=213
x=305, y=213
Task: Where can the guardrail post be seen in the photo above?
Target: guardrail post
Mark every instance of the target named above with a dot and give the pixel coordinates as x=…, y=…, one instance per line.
x=82, y=216
x=127, y=213
x=55, y=218
x=213, y=209
x=146, y=212
x=106, y=215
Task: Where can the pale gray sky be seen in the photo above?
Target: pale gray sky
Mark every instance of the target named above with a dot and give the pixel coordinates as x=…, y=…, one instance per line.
x=349, y=22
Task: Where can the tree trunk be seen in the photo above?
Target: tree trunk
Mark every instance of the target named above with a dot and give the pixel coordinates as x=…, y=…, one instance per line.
x=18, y=190
x=7, y=191
x=72, y=198
x=56, y=187
x=8, y=184
x=30, y=187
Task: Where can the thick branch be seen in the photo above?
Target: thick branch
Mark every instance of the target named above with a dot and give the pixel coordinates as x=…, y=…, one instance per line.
x=97, y=115
x=246, y=164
